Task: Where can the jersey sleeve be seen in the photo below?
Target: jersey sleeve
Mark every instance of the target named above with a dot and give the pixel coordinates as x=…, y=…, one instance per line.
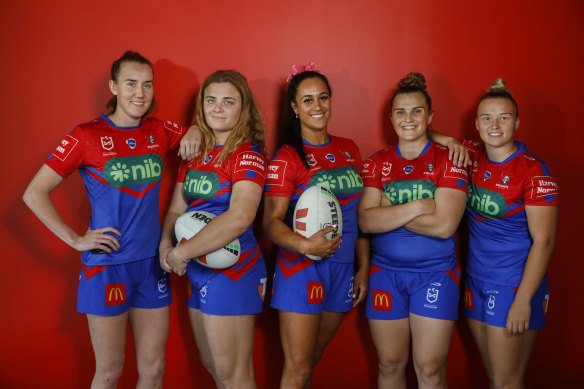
x=281, y=174
x=371, y=173
x=541, y=188
x=174, y=133
x=453, y=177
x=249, y=164
x=182, y=171
x=69, y=154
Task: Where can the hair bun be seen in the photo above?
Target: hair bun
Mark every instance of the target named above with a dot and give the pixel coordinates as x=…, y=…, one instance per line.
x=498, y=85
x=413, y=79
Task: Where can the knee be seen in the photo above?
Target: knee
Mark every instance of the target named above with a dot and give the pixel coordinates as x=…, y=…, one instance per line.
x=234, y=376
x=109, y=374
x=391, y=366
x=153, y=369
x=504, y=381
x=432, y=372
x=299, y=370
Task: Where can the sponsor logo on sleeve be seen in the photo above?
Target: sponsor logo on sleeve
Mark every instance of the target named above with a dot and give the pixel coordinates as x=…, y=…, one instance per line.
x=115, y=294
x=543, y=186
x=368, y=169
x=251, y=160
x=381, y=300
x=64, y=149
x=315, y=293
x=276, y=172
x=171, y=126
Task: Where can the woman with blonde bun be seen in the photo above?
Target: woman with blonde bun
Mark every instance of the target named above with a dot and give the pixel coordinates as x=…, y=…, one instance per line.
x=512, y=212
x=413, y=201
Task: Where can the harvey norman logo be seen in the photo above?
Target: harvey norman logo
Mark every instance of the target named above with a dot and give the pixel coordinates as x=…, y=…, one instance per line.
x=543, y=186
x=404, y=191
x=136, y=170
x=339, y=181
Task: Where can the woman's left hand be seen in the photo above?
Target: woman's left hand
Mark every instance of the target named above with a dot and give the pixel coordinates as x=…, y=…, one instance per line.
x=458, y=154
x=177, y=262
x=361, y=285
x=190, y=143
x=518, y=317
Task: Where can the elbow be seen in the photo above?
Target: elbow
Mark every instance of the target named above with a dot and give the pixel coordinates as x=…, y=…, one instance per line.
x=364, y=225
x=28, y=197
x=445, y=231
x=241, y=221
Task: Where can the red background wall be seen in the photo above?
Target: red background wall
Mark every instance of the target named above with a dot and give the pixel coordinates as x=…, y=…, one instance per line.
x=55, y=61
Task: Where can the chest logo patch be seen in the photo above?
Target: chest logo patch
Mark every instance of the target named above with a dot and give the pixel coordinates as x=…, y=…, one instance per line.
x=404, y=191
x=339, y=181
x=487, y=203
x=107, y=142
x=201, y=184
x=136, y=170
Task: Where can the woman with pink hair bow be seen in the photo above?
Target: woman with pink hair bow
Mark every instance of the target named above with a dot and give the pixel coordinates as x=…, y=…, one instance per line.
x=312, y=296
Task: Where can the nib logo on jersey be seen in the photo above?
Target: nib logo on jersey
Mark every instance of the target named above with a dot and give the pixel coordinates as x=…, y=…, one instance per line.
x=339, y=181
x=136, y=170
x=201, y=184
x=404, y=191
x=486, y=203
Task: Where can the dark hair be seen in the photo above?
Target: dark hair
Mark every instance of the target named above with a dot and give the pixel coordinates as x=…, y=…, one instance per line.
x=249, y=127
x=129, y=56
x=498, y=90
x=291, y=121
x=413, y=82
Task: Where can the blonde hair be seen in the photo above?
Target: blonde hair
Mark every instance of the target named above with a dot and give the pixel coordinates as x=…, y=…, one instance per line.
x=250, y=126
x=498, y=90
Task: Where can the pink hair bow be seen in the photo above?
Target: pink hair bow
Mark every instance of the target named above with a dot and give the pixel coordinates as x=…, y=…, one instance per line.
x=297, y=69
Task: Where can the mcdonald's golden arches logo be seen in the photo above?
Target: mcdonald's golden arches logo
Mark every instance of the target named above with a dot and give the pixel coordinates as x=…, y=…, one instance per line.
x=115, y=294
x=315, y=292
x=468, y=298
x=381, y=300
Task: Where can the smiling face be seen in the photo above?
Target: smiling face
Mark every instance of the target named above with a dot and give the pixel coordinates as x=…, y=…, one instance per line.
x=497, y=122
x=134, y=90
x=410, y=117
x=312, y=105
x=222, y=108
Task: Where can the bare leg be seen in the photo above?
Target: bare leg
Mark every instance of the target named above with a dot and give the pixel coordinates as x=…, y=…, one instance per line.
x=150, y=330
x=108, y=337
x=226, y=347
x=430, y=345
x=392, y=341
x=329, y=324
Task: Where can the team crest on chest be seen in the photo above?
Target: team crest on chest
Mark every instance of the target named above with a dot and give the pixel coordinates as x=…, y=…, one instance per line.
x=505, y=180
x=430, y=167
x=408, y=169
x=311, y=160
x=131, y=142
x=107, y=142
x=330, y=157
x=386, y=168
x=487, y=175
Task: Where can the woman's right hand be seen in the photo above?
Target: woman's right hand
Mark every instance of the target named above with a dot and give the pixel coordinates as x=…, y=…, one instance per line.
x=319, y=245
x=163, y=250
x=98, y=239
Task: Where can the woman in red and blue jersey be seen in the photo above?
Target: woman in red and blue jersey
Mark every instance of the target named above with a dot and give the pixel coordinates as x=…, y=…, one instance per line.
x=312, y=296
x=413, y=201
x=226, y=180
x=120, y=158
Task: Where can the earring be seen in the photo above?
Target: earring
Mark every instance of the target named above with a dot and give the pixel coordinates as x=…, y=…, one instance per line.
x=296, y=116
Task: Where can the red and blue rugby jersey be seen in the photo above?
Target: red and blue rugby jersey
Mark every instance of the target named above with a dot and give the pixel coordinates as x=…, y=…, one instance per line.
x=401, y=181
x=498, y=193
x=335, y=166
x=121, y=169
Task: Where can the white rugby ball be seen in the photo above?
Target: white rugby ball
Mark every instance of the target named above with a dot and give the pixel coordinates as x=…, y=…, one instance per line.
x=317, y=208
x=190, y=223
